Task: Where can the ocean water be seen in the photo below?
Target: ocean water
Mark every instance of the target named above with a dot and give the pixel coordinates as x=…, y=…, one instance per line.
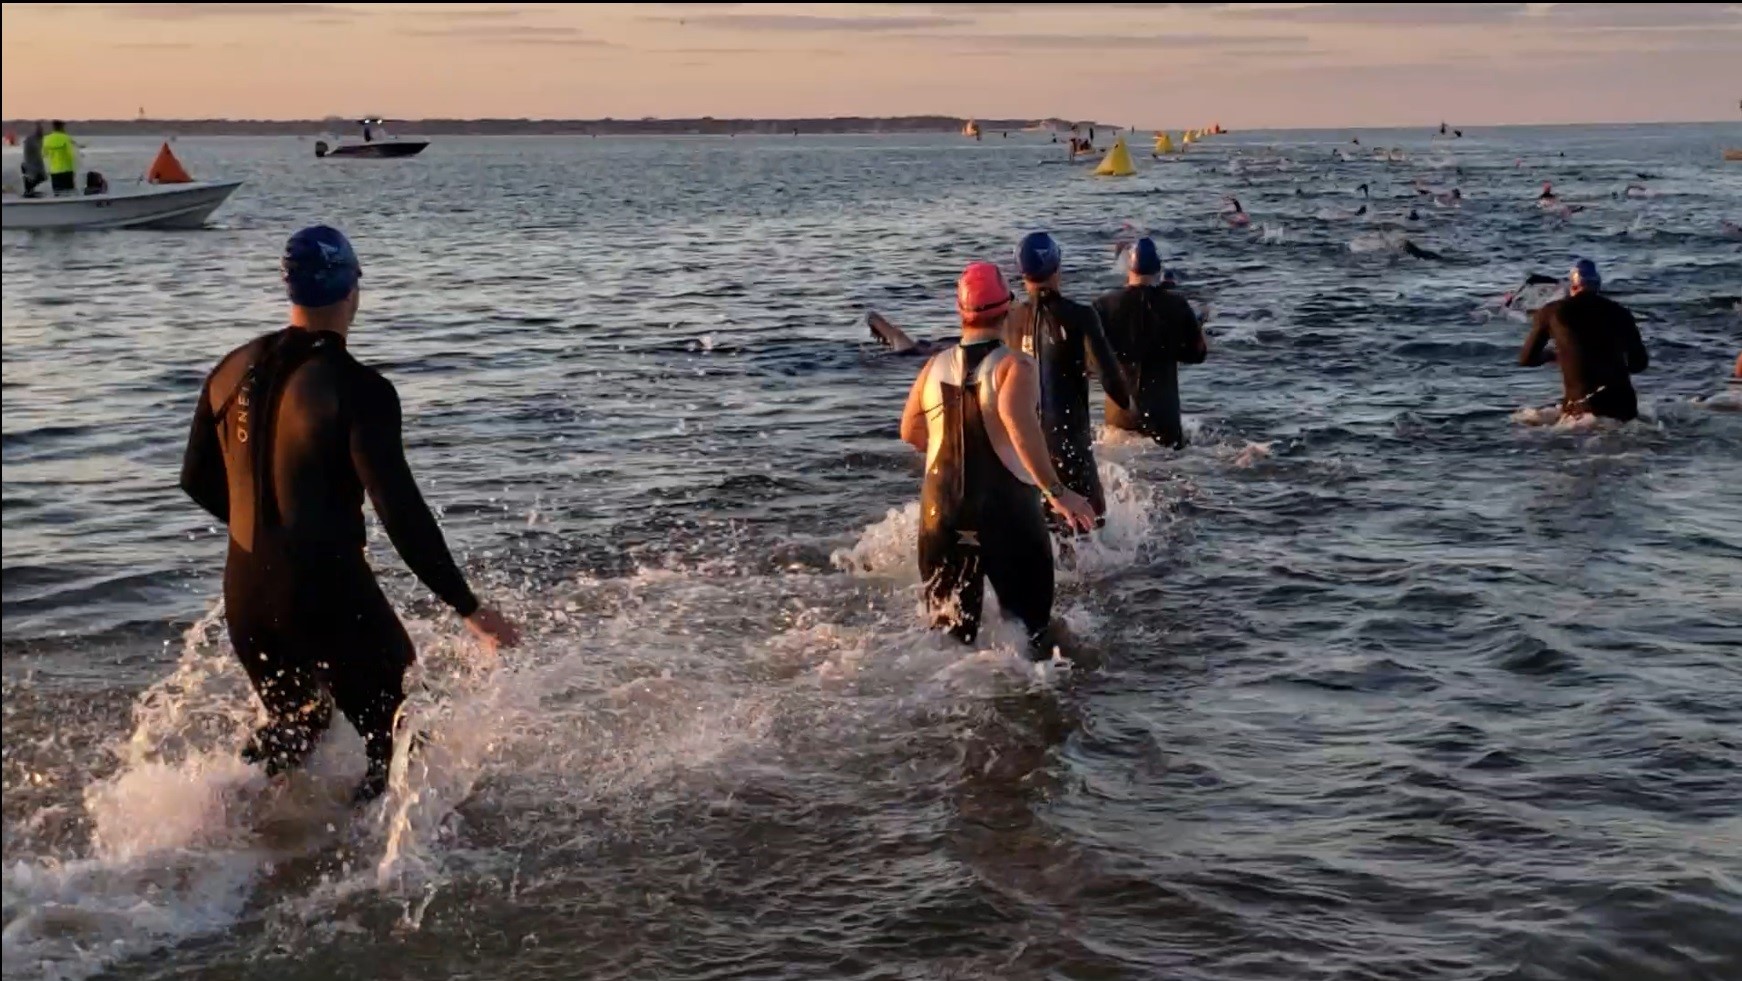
x=1398, y=678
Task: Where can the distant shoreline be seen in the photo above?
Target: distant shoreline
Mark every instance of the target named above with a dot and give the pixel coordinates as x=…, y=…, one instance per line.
x=706, y=126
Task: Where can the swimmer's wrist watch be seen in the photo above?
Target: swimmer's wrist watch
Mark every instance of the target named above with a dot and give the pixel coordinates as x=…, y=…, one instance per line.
x=1052, y=491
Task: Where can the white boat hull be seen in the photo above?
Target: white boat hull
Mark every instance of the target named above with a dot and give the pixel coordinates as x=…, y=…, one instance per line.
x=138, y=206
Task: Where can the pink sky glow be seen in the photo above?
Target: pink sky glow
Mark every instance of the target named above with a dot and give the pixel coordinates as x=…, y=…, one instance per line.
x=1148, y=65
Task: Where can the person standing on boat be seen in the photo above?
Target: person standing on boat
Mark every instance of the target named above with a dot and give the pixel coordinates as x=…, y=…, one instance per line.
x=33, y=170
x=289, y=434
x=1062, y=336
x=61, y=156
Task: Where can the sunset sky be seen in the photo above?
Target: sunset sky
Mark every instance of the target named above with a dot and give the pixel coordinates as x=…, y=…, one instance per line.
x=1148, y=65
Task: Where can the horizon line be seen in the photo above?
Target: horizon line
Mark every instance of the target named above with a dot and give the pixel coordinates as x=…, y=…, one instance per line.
x=141, y=121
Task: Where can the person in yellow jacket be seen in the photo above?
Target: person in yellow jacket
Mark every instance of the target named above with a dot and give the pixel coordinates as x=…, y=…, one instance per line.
x=62, y=157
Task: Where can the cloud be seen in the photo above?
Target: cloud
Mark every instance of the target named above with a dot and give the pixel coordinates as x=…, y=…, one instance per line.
x=813, y=22
x=495, y=13
x=515, y=34
x=1010, y=8
x=154, y=45
x=201, y=11
x=1666, y=15
x=1107, y=42
x=1413, y=14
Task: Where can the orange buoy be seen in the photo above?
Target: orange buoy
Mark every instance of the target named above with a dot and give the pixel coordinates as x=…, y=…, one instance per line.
x=166, y=169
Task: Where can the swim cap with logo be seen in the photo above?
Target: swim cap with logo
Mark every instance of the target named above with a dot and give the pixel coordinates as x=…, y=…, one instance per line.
x=1038, y=256
x=320, y=268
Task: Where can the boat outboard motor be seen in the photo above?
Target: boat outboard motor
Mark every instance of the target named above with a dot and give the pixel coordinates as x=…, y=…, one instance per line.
x=320, y=148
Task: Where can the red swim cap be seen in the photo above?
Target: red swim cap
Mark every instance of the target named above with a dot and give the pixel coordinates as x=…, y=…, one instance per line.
x=981, y=293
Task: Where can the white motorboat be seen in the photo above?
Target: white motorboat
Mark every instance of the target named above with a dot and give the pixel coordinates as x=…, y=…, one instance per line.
x=126, y=205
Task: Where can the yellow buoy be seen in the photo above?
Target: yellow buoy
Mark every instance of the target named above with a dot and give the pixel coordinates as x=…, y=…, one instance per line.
x=1163, y=143
x=1117, y=163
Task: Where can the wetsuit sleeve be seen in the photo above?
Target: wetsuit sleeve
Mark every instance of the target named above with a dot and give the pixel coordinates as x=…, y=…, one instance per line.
x=1193, y=349
x=1533, y=356
x=1631, y=343
x=1101, y=353
x=378, y=453
x=202, y=465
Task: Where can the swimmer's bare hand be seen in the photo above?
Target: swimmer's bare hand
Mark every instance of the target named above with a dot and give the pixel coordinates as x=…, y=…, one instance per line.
x=1075, y=509
x=492, y=629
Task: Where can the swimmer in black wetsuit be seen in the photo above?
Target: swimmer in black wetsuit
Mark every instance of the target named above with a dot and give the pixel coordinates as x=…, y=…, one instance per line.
x=289, y=434
x=1062, y=336
x=1153, y=330
x=1596, y=344
x=972, y=412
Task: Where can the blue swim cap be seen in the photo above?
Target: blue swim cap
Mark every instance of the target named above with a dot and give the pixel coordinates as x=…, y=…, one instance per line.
x=1038, y=256
x=320, y=267
x=1142, y=258
x=1584, y=274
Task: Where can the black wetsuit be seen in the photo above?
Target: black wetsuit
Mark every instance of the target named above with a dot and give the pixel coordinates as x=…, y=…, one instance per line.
x=1062, y=336
x=1598, y=347
x=979, y=521
x=289, y=434
x=1153, y=330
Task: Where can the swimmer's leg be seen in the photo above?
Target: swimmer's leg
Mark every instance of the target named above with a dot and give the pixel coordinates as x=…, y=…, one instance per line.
x=1622, y=406
x=955, y=585
x=296, y=704
x=367, y=679
x=1019, y=564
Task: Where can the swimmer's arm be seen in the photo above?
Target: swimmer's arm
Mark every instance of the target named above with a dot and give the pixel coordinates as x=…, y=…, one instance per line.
x=378, y=454
x=1196, y=348
x=913, y=422
x=1101, y=352
x=1535, y=353
x=202, y=466
x=1019, y=407
x=1632, y=345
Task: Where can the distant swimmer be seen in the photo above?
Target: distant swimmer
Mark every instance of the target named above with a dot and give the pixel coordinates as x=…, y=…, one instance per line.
x=1153, y=331
x=1235, y=215
x=1551, y=202
x=897, y=341
x=1449, y=199
x=1417, y=252
x=1636, y=191
x=1394, y=242
x=1365, y=193
x=973, y=412
x=1596, y=343
x=290, y=432
x=1064, y=338
x=1536, y=292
